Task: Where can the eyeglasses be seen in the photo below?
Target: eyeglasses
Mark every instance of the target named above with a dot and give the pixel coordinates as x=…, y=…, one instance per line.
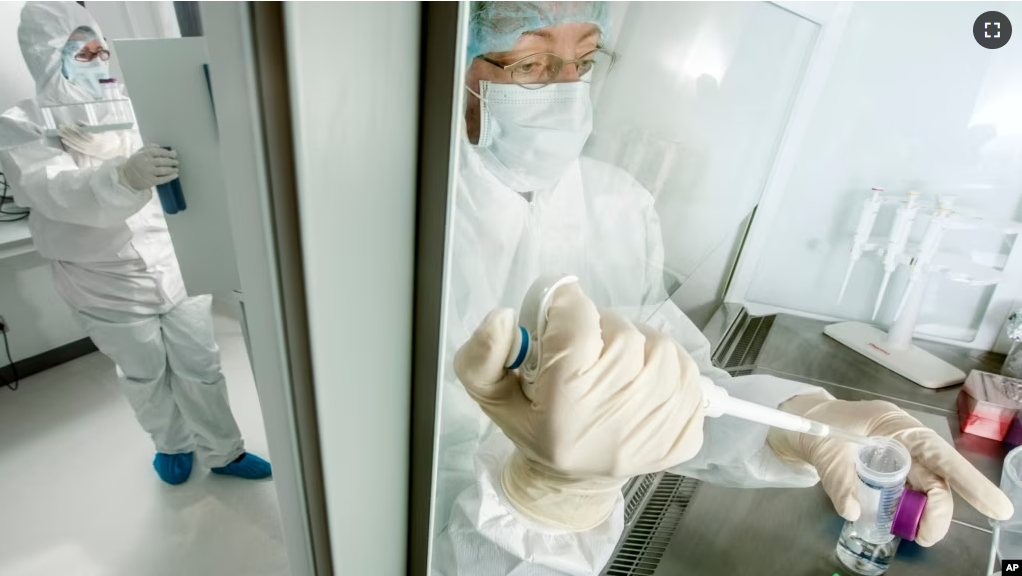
x=86, y=56
x=538, y=70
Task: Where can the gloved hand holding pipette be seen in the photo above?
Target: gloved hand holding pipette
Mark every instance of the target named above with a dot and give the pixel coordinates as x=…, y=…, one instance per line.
x=589, y=400
x=611, y=400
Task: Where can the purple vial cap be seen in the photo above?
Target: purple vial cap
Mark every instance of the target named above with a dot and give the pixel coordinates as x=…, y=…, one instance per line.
x=1014, y=436
x=906, y=517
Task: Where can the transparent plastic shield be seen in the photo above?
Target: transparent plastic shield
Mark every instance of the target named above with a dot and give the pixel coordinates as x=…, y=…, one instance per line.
x=694, y=110
x=650, y=217
x=111, y=112
x=98, y=116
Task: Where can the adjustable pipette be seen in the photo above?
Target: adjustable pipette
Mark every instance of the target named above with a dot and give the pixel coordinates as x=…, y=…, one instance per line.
x=903, y=220
x=870, y=209
x=525, y=353
x=927, y=248
x=717, y=402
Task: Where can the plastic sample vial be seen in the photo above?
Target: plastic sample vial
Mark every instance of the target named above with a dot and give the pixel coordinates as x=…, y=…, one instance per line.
x=1009, y=532
x=890, y=512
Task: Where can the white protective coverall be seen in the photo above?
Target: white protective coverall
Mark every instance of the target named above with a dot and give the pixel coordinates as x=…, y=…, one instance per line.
x=599, y=224
x=112, y=257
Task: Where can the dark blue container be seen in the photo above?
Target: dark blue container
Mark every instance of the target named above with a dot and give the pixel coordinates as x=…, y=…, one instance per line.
x=171, y=197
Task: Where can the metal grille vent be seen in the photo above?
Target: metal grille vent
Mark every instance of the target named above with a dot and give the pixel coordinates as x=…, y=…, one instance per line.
x=646, y=541
x=727, y=343
x=635, y=495
x=745, y=343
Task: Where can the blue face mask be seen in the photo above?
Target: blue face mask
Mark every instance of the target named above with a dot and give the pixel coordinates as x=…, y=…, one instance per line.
x=84, y=74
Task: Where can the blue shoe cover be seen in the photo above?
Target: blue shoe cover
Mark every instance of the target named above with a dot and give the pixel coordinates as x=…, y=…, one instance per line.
x=248, y=466
x=173, y=468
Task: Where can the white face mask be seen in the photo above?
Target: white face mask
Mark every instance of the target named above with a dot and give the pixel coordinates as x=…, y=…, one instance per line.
x=529, y=138
x=85, y=74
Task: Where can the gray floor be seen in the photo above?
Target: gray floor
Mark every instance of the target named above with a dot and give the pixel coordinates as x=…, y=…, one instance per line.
x=78, y=495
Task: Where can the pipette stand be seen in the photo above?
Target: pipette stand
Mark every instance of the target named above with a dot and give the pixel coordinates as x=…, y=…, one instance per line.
x=895, y=350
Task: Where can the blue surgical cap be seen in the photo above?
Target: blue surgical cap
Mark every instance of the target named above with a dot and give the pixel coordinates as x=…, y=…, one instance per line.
x=496, y=26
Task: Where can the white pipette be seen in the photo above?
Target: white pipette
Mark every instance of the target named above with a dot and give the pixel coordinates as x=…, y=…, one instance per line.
x=526, y=351
x=927, y=248
x=717, y=402
x=903, y=220
x=870, y=209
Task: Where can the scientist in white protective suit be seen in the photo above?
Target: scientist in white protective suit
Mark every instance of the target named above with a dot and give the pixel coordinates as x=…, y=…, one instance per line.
x=94, y=215
x=540, y=492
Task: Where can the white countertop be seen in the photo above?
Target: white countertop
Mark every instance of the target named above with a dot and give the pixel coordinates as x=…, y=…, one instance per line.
x=15, y=238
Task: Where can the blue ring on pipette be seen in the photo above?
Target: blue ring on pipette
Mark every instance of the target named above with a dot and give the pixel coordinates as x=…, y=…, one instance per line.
x=522, y=351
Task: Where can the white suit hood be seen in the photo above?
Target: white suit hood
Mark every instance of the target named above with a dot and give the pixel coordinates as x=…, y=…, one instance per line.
x=44, y=30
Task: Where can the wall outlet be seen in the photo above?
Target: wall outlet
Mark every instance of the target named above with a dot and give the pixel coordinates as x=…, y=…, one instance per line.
x=3, y=325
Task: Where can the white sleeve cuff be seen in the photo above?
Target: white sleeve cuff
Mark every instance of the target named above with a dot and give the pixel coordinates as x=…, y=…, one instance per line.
x=486, y=535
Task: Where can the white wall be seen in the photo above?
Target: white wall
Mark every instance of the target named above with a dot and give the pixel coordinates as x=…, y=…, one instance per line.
x=927, y=109
x=39, y=318
x=15, y=81
x=135, y=19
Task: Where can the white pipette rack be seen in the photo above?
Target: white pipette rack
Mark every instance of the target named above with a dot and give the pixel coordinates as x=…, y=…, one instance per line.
x=894, y=350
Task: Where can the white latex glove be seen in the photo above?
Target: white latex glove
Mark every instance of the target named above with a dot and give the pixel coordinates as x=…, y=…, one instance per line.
x=612, y=400
x=150, y=166
x=936, y=466
x=103, y=145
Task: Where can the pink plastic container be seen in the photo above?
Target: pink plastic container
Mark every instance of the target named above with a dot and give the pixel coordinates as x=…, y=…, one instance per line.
x=988, y=404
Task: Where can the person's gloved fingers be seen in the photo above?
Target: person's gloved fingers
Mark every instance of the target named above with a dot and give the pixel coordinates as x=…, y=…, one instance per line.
x=159, y=171
x=930, y=450
x=572, y=340
x=936, y=519
x=834, y=460
x=158, y=151
x=164, y=161
x=71, y=140
x=79, y=129
x=664, y=356
x=70, y=130
x=668, y=382
x=164, y=179
x=480, y=362
x=72, y=144
x=624, y=348
x=689, y=369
